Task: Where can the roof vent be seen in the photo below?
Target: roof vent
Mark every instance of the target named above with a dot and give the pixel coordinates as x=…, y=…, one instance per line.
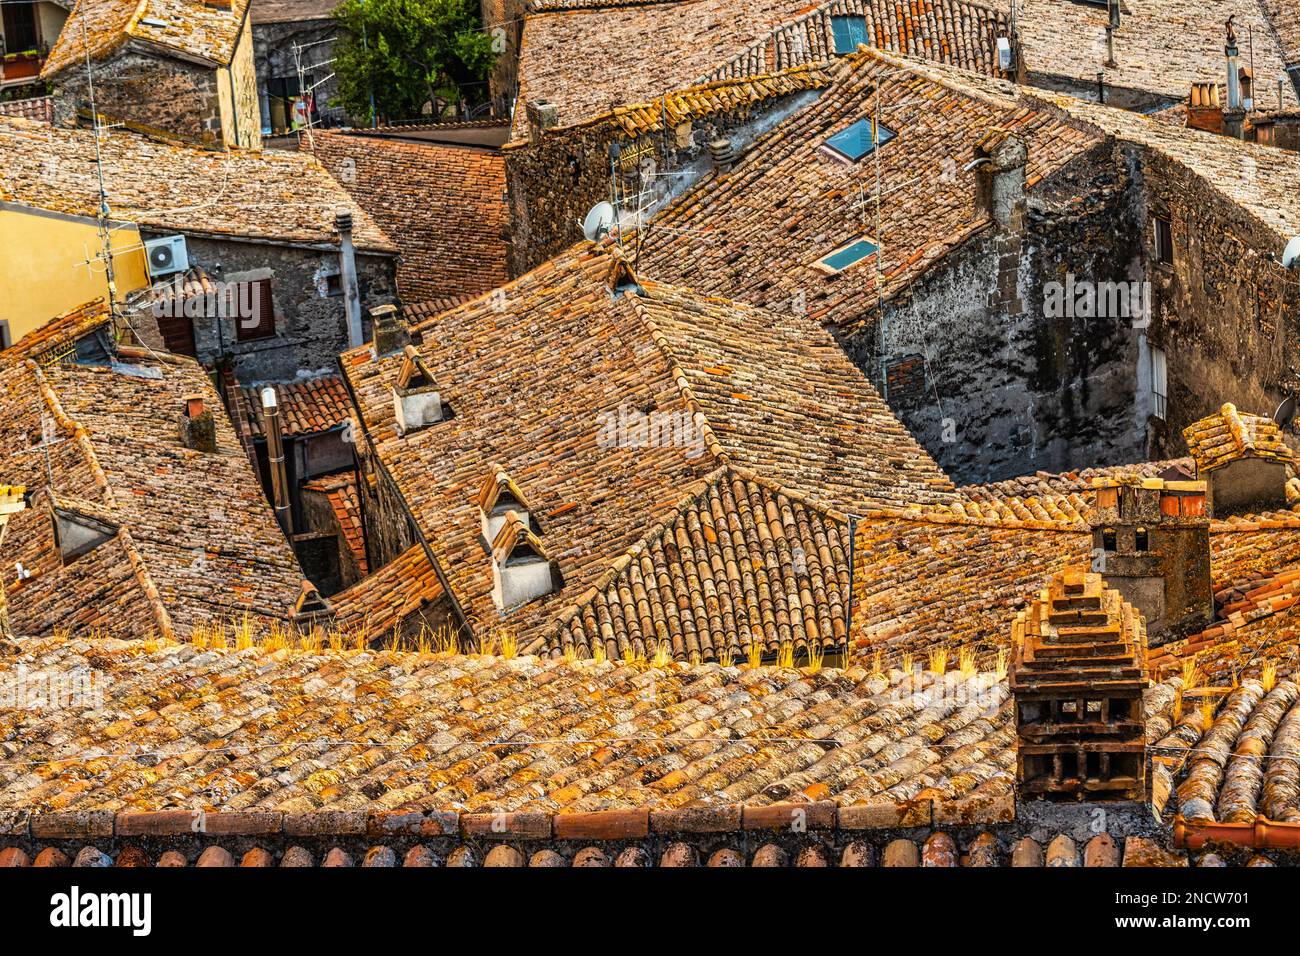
x=499, y=496
x=77, y=534
x=198, y=427
x=390, y=332
x=416, y=399
x=521, y=570
x=311, y=610
x=723, y=153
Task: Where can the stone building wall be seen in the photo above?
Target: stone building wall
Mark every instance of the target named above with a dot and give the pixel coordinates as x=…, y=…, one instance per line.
x=148, y=90
x=273, y=57
x=389, y=529
x=241, y=119
x=311, y=326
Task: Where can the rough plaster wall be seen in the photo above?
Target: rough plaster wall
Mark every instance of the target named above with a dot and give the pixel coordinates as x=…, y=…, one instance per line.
x=311, y=328
x=241, y=120
x=165, y=94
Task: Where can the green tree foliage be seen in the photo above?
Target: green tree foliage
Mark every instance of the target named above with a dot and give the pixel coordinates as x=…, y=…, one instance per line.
x=408, y=53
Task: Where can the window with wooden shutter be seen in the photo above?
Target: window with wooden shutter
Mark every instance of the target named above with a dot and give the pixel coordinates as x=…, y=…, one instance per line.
x=261, y=323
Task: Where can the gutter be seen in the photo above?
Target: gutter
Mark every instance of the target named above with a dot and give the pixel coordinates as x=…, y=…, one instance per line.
x=1263, y=834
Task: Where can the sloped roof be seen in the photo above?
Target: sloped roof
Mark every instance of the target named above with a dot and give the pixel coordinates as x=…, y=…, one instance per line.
x=379, y=604
x=586, y=57
x=58, y=334
x=307, y=405
x=1229, y=435
x=1284, y=15
x=444, y=205
x=191, y=28
x=193, y=539
x=297, y=732
x=276, y=195
x=549, y=388
x=757, y=232
x=1162, y=46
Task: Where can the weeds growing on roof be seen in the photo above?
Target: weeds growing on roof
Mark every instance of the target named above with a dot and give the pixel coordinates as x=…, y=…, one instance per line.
x=1001, y=667
x=570, y=654
x=753, y=654
x=816, y=656
x=966, y=663
x=785, y=656
x=878, y=666
x=1268, y=675
x=1207, y=715
x=663, y=655
x=727, y=657
x=939, y=660
x=598, y=654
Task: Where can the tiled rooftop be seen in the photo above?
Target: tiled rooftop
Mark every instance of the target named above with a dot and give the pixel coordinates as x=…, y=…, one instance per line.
x=790, y=198
x=443, y=205
x=275, y=194
x=735, y=387
x=186, y=27
x=192, y=537
x=379, y=604
x=58, y=335
x=345, y=501
x=307, y=405
x=1229, y=435
x=1162, y=46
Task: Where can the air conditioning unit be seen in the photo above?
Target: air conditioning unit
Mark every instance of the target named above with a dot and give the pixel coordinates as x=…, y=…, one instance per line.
x=166, y=255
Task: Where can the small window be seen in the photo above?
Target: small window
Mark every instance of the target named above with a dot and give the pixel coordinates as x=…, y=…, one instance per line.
x=1159, y=384
x=847, y=255
x=1141, y=542
x=1108, y=539
x=1164, y=241
x=859, y=139
x=261, y=324
x=849, y=33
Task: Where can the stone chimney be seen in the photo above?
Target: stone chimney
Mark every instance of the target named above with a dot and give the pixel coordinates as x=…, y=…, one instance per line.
x=198, y=427
x=1234, y=114
x=723, y=152
x=521, y=570
x=416, y=399
x=1077, y=679
x=348, y=277
x=1151, y=543
x=1204, y=109
x=542, y=115
x=1243, y=460
x=389, y=331
x=1000, y=169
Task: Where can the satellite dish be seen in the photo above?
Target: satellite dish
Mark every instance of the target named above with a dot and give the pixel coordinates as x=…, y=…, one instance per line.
x=1291, y=257
x=1285, y=413
x=599, y=222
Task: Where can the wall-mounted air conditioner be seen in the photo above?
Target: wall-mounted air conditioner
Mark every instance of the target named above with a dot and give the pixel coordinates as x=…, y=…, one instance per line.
x=166, y=255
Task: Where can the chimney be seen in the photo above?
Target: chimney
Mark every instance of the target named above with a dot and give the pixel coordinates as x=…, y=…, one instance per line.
x=1151, y=542
x=198, y=427
x=389, y=331
x=723, y=152
x=521, y=570
x=275, y=459
x=348, y=277
x=1234, y=116
x=1001, y=161
x=1077, y=679
x=542, y=115
x=499, y=496
x=1204, y=109
x=416, y=399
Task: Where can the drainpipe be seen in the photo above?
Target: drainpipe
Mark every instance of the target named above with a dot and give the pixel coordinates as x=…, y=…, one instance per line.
x=1263, y=834
x=275, y=457
x=348, y=277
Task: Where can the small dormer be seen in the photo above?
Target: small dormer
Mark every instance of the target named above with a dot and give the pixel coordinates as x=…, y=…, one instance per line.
x=497, y=497
x=311, y=610
x=1243, y=459
x=521, y=570
x=416, y=400
x=77, y=534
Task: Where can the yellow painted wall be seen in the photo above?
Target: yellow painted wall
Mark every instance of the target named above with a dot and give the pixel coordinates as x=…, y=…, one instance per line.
x=42, y=271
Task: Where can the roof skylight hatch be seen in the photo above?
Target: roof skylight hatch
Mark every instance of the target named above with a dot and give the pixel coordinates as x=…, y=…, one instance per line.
x=847, y=255
x=849, y=32
x=858, y=140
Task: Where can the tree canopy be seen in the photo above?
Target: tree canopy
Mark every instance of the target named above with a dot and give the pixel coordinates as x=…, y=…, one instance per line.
x=407, y=53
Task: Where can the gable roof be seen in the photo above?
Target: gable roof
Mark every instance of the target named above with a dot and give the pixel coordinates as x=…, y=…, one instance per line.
x=192, y=538
x=58, y=335
x=1229, y=435
x=561, y=387
x=274, y=195
x=565, y=57
x=188, y=28
x=1161, y=47
x=443, y=205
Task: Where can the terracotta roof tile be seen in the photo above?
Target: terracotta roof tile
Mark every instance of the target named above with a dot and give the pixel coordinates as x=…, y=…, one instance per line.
x=345, y=501
x=445, y=207
x=191, y=28
x=57, y=335
x=307, y=405
x=274, y=194
x=380, y=603
x=1229, y=435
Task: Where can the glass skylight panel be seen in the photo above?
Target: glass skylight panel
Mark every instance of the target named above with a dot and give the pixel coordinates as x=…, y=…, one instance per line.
x=849, y=32
x=845, y=256
x=857, y=141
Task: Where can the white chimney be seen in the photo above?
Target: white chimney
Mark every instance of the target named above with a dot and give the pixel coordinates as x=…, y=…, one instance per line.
x=521, y=571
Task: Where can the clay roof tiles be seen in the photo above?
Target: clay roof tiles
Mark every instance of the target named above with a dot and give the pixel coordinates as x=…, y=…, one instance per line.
x=1229, y=435
x=188, y=27
x=307, y=406
x=191, y=538
x=58, y=335
x=443, y=205
x=378, y=604
x=276, y=194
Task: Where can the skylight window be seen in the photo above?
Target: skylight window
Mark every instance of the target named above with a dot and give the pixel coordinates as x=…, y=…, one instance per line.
x=859, y=140
x=847, y=255
x=848, y=33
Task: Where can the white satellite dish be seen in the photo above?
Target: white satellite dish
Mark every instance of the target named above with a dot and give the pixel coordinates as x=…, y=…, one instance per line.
x=1291, y=257
x=599, y=222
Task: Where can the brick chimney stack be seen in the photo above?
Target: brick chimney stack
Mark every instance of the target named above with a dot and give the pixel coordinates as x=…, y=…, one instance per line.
x=198, y=427
x=1077, y=680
